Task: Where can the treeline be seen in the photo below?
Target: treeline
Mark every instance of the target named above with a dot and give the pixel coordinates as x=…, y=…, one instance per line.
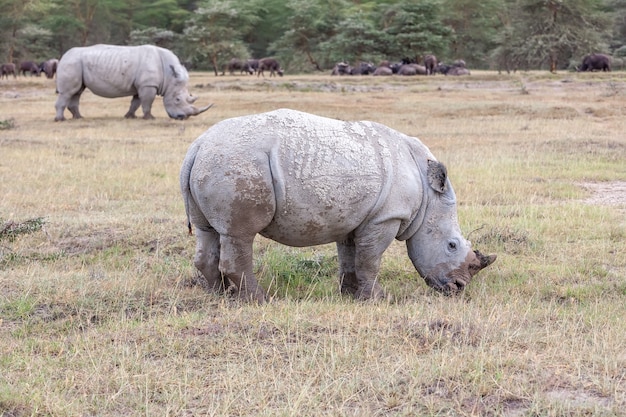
x=309, y=35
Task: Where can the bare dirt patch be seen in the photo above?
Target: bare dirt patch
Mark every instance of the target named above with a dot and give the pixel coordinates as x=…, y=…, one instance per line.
x=611, y=193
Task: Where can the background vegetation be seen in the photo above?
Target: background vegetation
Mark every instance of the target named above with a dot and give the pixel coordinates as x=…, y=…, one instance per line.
x=307, y=35
x=101, y=312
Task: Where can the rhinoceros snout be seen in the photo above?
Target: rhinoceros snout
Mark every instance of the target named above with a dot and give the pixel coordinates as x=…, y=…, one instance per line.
x=455, y=281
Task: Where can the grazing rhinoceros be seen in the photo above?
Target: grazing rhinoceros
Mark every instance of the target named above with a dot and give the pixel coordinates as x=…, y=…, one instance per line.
x=302, y=180
x=142, y=72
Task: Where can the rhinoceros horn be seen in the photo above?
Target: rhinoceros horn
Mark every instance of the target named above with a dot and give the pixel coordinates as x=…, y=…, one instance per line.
x=191, y=99
x=196, y=111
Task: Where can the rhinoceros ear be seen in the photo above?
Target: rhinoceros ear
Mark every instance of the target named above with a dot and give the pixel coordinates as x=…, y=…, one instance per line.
x=174, y=73
x=437, y=176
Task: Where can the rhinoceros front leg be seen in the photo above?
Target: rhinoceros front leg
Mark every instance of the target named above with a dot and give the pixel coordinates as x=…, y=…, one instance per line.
x=207, y=259
x=236, y=265
x=359, y=266
x=145, y=97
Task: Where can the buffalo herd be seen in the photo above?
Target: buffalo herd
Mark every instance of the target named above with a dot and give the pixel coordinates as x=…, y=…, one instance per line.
x=429, y=66
x=49, y=68
x=406, y=66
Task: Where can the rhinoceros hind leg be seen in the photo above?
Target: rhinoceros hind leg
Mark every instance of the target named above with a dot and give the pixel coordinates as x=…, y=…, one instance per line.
x=134, y=105
x=207, y=259
x=347, y=274
x=236, y=265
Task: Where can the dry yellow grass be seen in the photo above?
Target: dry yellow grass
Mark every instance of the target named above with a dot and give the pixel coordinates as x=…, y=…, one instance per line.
x=100, y=313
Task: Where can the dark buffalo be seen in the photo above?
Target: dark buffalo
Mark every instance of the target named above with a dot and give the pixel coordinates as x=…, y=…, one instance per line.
x=364, y=68
x=49, y=67
x=444, y=69
x=395, y=67
x=430, y=62
x=595, y=62
x=30, y=67
x=341, y=68
x=7, y=69
x=271, y=65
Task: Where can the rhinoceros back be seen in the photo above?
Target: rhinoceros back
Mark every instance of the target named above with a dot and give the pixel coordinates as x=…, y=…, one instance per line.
x=326, y=176
x=110, y=70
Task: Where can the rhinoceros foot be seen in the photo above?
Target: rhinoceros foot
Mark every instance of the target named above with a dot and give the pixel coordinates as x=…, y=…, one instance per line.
x=372, y=292
x=212, y=284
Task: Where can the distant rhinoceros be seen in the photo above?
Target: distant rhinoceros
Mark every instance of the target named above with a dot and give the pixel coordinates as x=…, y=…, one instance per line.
x=302, y=180
x=142, y=72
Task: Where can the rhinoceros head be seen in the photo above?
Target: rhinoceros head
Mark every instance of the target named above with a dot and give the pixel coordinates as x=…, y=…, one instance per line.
x=438, y=250
x=176, y=98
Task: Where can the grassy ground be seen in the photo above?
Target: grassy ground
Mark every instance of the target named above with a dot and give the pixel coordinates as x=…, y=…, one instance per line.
x=101, y=312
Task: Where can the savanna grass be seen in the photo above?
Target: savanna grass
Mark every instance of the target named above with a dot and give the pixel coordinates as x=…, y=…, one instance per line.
x=102, y=313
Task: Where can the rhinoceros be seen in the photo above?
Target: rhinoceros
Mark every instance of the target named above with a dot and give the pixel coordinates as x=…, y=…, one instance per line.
x=303, y=180
x=142, y=72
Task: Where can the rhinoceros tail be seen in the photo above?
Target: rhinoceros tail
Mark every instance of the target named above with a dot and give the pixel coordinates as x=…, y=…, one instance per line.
x=185, y=174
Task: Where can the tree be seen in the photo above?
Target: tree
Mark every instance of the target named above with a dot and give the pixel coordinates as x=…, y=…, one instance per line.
x=271, y=24
x=357, y=40
x=553, y=32
x=215, y=33
x=310, y=24
x=476, y=26
x=16, y=16
x=416, y=29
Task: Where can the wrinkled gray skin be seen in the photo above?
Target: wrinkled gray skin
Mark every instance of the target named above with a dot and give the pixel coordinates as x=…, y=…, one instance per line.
x=303, y=180
x=142, y=72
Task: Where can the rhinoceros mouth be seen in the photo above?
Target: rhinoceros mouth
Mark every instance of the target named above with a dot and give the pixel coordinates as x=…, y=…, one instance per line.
x=448, y=287
x=456, y=280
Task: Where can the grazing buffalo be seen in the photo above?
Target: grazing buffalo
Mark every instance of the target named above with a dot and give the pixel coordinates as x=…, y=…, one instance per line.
x=237, y=65
x=49, y=67
x=30, y=67
x=142, y=72
x=252, y=65
x=302, y=180
x=595, y=62
x=271, y=65
x=6, y=70
x=430, y=62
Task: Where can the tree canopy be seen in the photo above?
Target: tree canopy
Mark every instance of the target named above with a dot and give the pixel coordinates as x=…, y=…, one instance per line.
x=308, y=35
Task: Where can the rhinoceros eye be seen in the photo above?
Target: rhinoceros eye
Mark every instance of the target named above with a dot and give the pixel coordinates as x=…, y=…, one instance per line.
x=452, y=246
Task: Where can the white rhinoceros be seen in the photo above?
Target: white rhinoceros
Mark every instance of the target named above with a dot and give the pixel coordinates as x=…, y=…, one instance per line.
x=303, y=180
x=142, y=72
